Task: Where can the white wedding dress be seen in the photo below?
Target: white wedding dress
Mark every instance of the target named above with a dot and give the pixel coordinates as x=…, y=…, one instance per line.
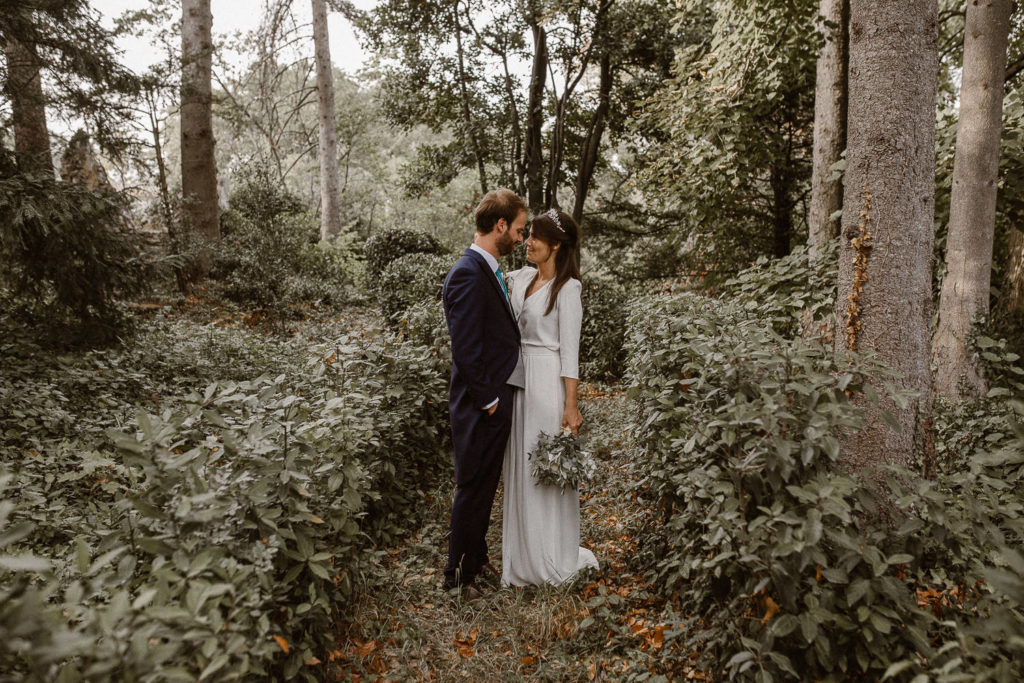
x=540, y=541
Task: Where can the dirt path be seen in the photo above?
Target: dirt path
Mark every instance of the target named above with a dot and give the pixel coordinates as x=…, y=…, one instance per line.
x=604, y=626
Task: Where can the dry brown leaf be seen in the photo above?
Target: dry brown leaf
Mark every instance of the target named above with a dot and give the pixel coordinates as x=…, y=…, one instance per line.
x=282, y=642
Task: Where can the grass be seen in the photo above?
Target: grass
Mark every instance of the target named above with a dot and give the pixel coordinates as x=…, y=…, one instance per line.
x=603, y=626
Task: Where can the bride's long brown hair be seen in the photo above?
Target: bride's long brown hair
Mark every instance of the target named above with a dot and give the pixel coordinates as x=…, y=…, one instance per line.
x=567, y=261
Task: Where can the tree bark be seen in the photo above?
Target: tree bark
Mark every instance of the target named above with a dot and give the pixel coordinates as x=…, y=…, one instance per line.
x=1013, y=290
x=198, y=166
x=28, y=109
x=467, y=113
x=535, y=121
x=330, y=211
x=884, y=301
x=830, y=93
x=592, y=143
x=972, y=208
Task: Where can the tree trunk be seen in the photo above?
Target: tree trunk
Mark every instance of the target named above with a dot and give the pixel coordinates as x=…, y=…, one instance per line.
x=535, y=121
x=782, y=209
x=467, y=114
x=830, y=93
x=1013, y=290
x=972, y=208
x=198, y=166
x=592, y=143
x=884, y=301
x=330, y=216
x=28, y=109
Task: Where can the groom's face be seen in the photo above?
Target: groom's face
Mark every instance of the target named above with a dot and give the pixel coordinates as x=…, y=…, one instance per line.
x=510, y=235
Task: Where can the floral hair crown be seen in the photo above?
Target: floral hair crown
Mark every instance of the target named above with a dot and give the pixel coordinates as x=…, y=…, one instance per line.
x=553, y=215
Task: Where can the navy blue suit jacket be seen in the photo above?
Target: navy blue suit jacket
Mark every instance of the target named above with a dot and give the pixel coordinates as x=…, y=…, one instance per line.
x=485, y=336
x=485, y=351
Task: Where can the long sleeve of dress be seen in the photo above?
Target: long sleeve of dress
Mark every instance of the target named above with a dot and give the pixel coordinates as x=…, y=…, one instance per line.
x=570, y=321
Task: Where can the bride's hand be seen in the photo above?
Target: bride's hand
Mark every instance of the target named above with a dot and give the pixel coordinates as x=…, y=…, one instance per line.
x=572, y=419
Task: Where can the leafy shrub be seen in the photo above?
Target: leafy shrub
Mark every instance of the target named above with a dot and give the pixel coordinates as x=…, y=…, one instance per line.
x=384, y=247
x=225, y=531
x=271, y=255
x=788, y=566
x=409, y=280
x=602, y=338
x=68, y=251
x=795, y=293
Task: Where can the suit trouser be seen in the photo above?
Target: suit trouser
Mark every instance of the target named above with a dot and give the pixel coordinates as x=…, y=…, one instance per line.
x=477, y=476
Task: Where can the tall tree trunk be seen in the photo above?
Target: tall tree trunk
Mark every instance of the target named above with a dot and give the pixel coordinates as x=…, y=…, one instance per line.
x=28, y=109
x=518, y=167
x=782, y=209
x=198, y=166
x=535, y=120
x=830, y=93
x=884, y=301
x=467, y=113
x=1012, y=300
x=592, y=143
x=972, y=208
x=330, y=216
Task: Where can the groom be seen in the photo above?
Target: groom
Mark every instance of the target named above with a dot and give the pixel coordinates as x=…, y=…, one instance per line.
x=486, y=366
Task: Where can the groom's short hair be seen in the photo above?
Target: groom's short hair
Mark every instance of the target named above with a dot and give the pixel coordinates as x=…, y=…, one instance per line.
x=495, y=205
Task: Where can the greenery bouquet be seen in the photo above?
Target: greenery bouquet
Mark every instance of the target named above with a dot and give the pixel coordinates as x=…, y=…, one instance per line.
x=560, y=460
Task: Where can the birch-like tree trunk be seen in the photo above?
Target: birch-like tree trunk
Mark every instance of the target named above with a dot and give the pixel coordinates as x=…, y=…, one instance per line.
x=467, y=113
x=28, y=109
x=829, y=121
x=1013, y=290
x=884, y=302
x=330, y=211
x=198, y=166
x=972, y=208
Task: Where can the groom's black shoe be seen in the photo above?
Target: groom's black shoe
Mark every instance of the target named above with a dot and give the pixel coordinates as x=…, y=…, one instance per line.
x=466, y=592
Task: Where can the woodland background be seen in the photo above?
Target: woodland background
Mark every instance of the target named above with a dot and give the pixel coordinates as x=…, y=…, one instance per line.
x=224, y=446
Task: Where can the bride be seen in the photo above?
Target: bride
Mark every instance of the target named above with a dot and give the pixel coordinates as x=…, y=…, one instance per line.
x=541, y=527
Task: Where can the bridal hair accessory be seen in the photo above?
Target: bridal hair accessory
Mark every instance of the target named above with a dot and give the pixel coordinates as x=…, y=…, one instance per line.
x=553, y=215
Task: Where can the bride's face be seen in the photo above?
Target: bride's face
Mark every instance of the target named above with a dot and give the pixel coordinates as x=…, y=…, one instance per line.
x=538, y=251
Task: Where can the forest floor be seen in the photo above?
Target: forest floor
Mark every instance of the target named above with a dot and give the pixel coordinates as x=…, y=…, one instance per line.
x=604, y=626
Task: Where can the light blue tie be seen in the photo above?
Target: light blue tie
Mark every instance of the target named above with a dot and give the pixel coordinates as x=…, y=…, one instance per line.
x=501, y=281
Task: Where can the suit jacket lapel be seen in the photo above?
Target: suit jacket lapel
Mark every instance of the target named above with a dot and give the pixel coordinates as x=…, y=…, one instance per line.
x=493, y=279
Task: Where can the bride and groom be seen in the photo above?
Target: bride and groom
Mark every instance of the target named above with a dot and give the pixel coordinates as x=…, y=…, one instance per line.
x=515, y=372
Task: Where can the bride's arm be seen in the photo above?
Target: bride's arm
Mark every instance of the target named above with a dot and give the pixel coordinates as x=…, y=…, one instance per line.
x=571, y=416
x=570, y=322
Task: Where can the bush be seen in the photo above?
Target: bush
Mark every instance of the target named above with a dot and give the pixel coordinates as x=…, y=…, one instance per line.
x=602, y=338
x=787, y=566
x=271, y=256
x=69, y=252
x=409, y=280
x=383, y=248
x=796, y=292
x=222, y=535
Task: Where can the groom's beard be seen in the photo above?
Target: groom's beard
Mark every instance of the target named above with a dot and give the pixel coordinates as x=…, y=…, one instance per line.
x=506, y=244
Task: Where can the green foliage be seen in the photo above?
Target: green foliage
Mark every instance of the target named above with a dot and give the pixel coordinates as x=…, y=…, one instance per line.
x=731, y=132
x=222, y=518
x=785, y=565
x=409, y=280
x=68, y=252
x=271, y=255
x=602, y=337
x=794, y=293
x=383, y=248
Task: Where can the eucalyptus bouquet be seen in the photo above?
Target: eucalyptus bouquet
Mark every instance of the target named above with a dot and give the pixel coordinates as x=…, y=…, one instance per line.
x=560, y=460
